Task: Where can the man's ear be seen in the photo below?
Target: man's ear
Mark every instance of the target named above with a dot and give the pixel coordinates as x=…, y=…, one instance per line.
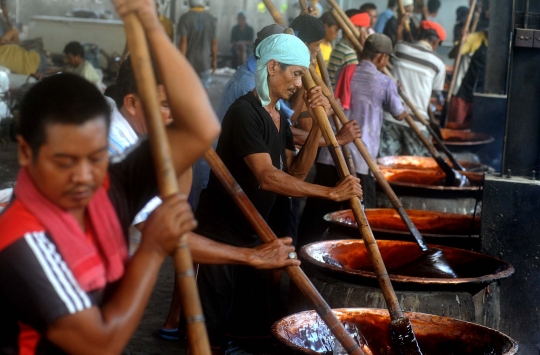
x=24, y=151
x=130, y=103
x=272, y=67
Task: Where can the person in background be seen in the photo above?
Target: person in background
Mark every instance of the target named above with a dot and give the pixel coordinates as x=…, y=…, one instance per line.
x=76, y=64
x=461, y=17
x=370, y=93
x=385, y=16
x=393, y=27
x=475, y=47
x=6, y=25
x=343, y=54
x=332, y=31
x=371, y=9
x=166, y=23
x=197, y=31
x=242, y=36
x=432, y=10
x=421, y=72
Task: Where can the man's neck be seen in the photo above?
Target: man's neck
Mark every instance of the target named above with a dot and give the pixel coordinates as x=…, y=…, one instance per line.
x=138, y=127
x=271, y=107
x=426, y=44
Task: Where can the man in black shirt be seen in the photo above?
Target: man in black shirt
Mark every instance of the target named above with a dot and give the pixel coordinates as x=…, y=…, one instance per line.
x=256, y=145
x=242, y=37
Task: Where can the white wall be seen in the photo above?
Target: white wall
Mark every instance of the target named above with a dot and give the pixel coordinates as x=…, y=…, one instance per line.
x=446, y=16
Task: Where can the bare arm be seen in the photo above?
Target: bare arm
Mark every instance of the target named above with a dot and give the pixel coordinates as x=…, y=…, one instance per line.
x=214, y=54
x=182, y=45
x=277, y=181
x=266, y=256
x=346, y=134
x=188, y=138
x=107, y=329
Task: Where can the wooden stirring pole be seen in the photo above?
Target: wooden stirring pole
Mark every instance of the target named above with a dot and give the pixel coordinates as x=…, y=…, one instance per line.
x=324, y=72
x=267, y=236
x=396, y=314
x=167, y=180
x=458, y=57
x=398, y=206
x=452, y=178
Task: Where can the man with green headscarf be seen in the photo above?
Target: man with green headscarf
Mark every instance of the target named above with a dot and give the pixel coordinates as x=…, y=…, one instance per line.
x=256, y=145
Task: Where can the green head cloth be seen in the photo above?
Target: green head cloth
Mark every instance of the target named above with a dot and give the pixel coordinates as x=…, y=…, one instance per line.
x=283, y=48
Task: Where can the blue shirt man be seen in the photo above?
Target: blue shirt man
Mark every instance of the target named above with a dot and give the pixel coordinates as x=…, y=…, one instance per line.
x=385, y=16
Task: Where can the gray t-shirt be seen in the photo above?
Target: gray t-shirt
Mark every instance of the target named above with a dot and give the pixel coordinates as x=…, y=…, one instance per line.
x=200, y=29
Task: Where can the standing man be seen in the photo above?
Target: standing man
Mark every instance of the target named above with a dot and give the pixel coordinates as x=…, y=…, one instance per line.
x=343, y=53
x=421, y=72
x=371, y=93
x=371, y=9
x=197, y=31
x=394, y=25
x=257, y=147
x=242, y=36
x=385, y=16
x=332, y=31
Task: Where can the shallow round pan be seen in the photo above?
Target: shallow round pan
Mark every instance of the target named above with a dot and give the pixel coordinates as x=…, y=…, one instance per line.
x=429, y=223
x=415, y=162
x=349, y=258
x=306, y=333
x=454, y=137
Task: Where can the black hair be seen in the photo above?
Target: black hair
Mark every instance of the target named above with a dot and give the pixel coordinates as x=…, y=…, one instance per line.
x=368, y=6
x=392, y=4
x=63, y=98
x=429, y=35
x=369, y=55
x=461, y=14
x=433, y=6
x=328, y=19
x=351, y=12
x=126, y=83
x=74, y=48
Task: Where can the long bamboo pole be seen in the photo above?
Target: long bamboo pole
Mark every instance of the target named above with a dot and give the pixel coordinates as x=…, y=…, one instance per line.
x=406, y=24
x=267, y=235
x=344, y=18
x=274, y=12
x=459, y=55
x=399, y=322
x=451, y=178
x=324, y=72
x=167, y=180
x=372, y=164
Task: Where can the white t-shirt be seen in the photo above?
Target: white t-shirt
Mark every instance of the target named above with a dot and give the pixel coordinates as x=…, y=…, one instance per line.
x=420, y=71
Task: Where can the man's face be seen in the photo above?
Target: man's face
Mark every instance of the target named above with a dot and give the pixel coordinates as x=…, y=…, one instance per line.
x=332, y=32
x=241, y=20
x=134, y=108
x=284, y=82
x=409, y=9
x=71, y=60
x=314, y=49
x=373, y=17
x=71, y=164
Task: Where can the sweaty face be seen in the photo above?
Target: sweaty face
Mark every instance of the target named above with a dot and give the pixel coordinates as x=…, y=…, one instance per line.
x=314, y=48
x=284, y=82
x=71, y=164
